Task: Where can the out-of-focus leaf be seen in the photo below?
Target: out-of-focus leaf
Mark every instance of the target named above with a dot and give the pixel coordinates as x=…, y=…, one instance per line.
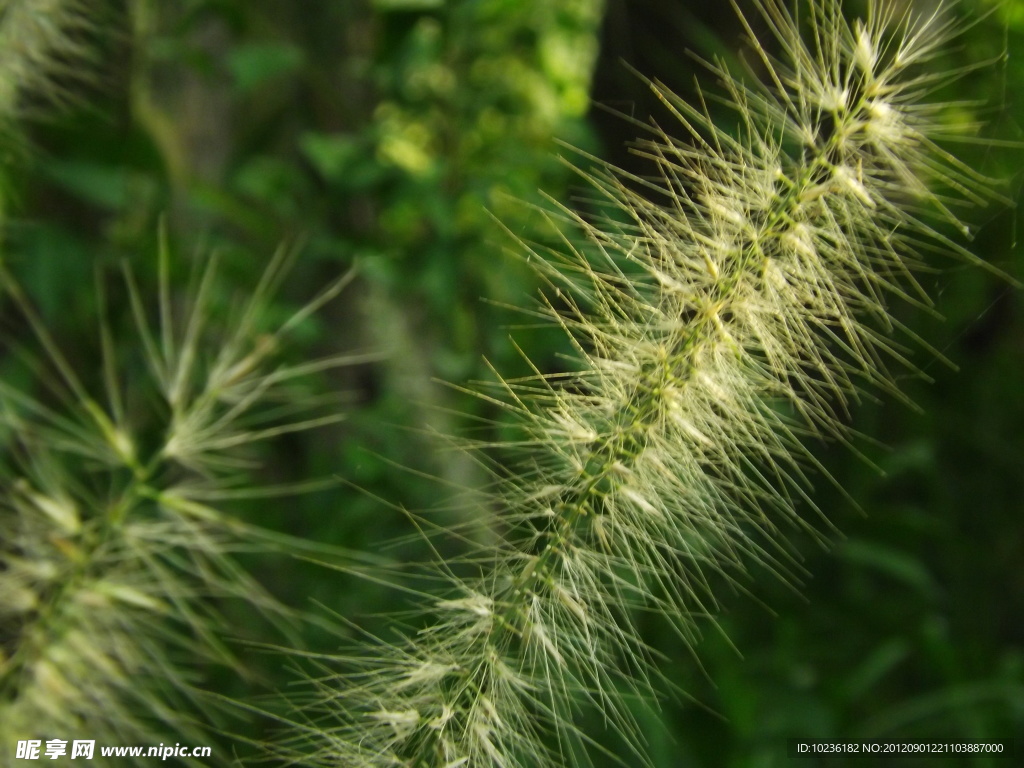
x=254, y=64
x=875, y=667
x=330, y=154
x=892, y=562
x=953, y=701
x=407, y=5
x=102, y=185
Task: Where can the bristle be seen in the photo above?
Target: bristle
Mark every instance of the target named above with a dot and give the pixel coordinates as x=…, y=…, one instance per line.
x=721, y=315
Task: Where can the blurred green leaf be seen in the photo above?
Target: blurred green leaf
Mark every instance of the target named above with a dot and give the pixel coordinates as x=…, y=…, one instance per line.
x=407, y=5
x=331, y=154
x=100, y=184
x=254, y=64
x=892, y=562
x=876, y=666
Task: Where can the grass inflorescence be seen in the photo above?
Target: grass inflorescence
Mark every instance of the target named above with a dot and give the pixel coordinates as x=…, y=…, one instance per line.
x=117, y=552
x=43, y=45
x=721, y=314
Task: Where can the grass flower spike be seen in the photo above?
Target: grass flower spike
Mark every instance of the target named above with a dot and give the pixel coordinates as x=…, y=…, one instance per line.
x=41, y=42
x=115, y=551
x=721, y=314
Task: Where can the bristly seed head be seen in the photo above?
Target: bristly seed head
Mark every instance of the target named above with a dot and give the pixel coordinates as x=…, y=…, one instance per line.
x=718, y=313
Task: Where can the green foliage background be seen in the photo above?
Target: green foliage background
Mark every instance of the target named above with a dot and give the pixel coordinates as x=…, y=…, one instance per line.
x=390, y=135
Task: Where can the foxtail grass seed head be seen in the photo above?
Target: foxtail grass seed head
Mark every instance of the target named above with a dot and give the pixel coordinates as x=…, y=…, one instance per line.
x=43, y=44
x=720, y=315
x=115, y=555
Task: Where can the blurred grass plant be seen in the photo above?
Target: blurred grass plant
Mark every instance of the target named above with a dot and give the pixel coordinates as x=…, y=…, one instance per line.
x=117, y=555
x=723, y=312
x=43, y=44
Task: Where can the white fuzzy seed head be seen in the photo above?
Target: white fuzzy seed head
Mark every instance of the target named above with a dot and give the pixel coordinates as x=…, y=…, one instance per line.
x=738, y=305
